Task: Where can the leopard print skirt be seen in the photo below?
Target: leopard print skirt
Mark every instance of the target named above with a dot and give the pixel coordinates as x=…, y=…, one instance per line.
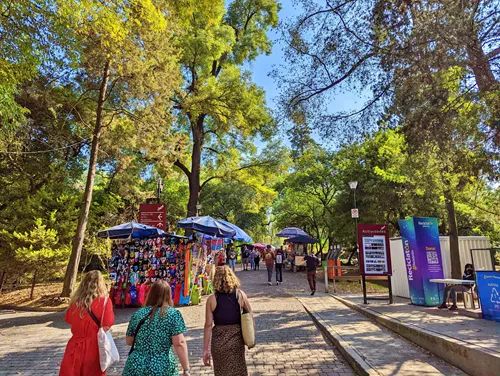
x=228, y=351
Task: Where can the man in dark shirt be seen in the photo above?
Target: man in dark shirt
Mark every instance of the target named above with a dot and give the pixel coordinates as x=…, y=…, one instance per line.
x=311, y=265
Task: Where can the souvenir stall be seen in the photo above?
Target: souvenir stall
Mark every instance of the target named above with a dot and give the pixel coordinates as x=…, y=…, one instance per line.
x=137, y=263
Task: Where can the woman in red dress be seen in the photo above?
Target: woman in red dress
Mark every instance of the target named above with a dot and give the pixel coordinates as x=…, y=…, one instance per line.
x=82, y=354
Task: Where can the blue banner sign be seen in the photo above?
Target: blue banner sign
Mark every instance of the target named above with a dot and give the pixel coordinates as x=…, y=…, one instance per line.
x=422, y=254
x=488, y=286
x=417, y=295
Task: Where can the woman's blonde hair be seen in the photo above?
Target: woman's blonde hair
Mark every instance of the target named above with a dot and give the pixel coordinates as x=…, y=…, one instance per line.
x=91, y=288
x=225, y=280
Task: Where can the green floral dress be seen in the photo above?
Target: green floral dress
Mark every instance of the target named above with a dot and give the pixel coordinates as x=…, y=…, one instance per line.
x=153, y=354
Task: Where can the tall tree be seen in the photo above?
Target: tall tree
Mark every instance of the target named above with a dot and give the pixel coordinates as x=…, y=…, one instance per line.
x=125, y=64
x=218, y=102
x=370, y=45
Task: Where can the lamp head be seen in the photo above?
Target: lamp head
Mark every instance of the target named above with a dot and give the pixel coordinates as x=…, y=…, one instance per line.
x=353, y=185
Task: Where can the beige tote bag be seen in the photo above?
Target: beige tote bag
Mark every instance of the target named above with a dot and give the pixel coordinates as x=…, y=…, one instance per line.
x=247, y=326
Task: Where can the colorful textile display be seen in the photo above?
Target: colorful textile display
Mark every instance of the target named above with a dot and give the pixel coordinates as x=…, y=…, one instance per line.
x=135, y=265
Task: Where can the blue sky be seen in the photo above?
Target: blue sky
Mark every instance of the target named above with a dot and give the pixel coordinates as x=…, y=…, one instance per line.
x=263, y=65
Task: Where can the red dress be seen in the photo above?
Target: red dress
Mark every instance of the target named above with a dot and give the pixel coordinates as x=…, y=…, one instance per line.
x=82, y=354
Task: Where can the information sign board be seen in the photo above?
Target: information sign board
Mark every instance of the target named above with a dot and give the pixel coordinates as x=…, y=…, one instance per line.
x=374, y=253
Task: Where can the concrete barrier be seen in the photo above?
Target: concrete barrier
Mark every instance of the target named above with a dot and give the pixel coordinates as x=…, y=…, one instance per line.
x=470, y=358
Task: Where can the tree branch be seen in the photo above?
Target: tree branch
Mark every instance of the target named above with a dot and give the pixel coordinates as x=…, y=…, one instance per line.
x=183, y=168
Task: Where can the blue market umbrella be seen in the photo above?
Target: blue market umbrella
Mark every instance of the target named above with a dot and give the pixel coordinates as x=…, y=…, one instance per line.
x=290, y=232
x=302, y=239
x=133, y=229
x=240, y=235
x=207, y=225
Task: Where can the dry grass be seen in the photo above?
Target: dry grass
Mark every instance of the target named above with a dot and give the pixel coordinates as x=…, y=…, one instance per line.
x=45, y=296
x=354, y=287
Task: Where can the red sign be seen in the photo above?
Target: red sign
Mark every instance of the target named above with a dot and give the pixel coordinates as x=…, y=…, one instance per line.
x=153, y=215
x=374, y=250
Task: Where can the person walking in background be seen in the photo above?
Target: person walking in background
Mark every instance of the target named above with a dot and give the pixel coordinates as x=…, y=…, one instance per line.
x=256, y=260
x=252, y=259
x=245, y=253
x=223, y=343
x=280, y=258
x=468, y=275
x=311, y=265
x=291, y=259
x=155, y=332
x=269, y=260
x=89, y=310
x=232, y=259
x=221, y=258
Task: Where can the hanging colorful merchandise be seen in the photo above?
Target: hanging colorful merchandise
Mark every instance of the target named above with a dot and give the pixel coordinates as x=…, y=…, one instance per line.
x=136, y=264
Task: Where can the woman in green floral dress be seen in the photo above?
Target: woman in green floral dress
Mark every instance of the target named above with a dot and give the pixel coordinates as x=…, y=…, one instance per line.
x=155, y=332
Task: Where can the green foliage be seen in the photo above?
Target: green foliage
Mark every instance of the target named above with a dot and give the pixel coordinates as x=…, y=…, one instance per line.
x=37, y=251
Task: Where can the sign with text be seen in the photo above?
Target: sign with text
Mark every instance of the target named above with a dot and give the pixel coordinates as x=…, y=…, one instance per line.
x=374, y=252
x=422, y=253
x=153, y=215
x=488, y=286
x=354, y=213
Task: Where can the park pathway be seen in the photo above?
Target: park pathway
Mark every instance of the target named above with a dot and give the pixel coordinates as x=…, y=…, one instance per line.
x=32, y=344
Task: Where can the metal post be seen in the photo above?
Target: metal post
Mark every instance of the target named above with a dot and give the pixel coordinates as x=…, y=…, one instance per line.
x=390, y=290
x=334, y=287
x=326, y=278
x=363, y=280
x=356, y=224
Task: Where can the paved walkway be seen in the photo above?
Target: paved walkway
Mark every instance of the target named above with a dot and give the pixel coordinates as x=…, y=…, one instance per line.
x=32, y=344
x=479, y=332
x=377, y=350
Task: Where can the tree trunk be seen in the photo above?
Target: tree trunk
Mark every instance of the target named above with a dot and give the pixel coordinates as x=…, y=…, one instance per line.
x=33, y=283
x=352, y=254
x=194, y=176
x=486, y=82
x=2, y=280
x=76, y=252
x=456, y=268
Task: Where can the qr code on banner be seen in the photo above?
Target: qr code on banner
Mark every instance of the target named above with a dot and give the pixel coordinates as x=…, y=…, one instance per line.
x=432, y=258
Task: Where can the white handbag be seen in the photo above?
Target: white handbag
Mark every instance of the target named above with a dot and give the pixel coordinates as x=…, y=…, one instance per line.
x=108, y=353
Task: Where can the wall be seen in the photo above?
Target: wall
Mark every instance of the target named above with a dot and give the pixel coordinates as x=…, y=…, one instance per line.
x=466, y=243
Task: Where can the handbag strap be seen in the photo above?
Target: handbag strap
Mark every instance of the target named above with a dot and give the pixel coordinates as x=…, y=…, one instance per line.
x=104, y=308
x=137, y=330
x=243, y=309
x=93, y=317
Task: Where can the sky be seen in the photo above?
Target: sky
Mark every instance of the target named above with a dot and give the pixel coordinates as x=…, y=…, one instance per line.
x=264, y=64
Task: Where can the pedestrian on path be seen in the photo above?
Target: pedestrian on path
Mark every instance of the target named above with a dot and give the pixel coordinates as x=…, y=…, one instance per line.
x=246, y=257
x=232, y=259
x=291, y=259
x=280, y=258
x=452, y=290
x=256, y=260
x=221, y=258
x=155, y=332
x=89, y=309
x=269, y=260
x=252, y=259
x=311, y=265
x=224, y=342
